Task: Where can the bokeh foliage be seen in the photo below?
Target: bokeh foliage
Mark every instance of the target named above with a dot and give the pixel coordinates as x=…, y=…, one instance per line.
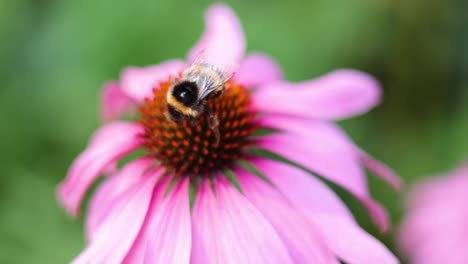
x=55, y=56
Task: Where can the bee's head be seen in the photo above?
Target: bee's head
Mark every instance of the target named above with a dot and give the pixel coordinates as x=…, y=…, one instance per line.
x=186, y=93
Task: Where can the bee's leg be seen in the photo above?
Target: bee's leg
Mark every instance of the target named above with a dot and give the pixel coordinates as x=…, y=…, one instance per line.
x=213, y=122
x=195, y=120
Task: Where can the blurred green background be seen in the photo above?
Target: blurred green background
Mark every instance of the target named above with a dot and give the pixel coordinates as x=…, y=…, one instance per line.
x=55, y=56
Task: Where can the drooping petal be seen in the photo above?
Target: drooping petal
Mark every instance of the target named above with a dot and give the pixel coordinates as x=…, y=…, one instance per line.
x=170, y=240
x=379, y=169
x=117, y=233
x=223, y=42
x=303, y=190
x=226, y=228
x=258, y=69
x=322, y=151
x=138, y=250
x=316, y=200
x=121, y=139
x=298, y=234
x=326, y=151
x=104, y=198
x=337, y=95
x=350, y=242
x=114, y=102
x=108, y=131
x=102, y=135
x=306, y=127
x=138, y=83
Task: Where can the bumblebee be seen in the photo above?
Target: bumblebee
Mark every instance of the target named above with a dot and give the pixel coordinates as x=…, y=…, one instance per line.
x=186, y=98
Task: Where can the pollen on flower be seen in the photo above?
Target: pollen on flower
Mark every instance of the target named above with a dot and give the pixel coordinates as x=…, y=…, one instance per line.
x=189, y=149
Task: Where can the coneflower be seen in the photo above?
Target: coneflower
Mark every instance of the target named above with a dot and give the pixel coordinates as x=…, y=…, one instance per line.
x=191, y=199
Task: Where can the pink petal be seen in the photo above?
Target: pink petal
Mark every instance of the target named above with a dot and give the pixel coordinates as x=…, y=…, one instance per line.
x=138, y=83
x=116, y=235
x=435, y=232
x=380, y=169
x=170, y=240
x=114, y=102
x=102, y=152
x=316, y=200
x=226, y=228
x=350, y=242
x=138, y=250
x=304, y=127
x=298, y=234
x=102, y=135
x=435, y=225
x=337, y=95
x=439, y=188
x=303, y=190
x=223, y=42
x=451, y=251
x=325, y=152
x=104, y=198
x=258, y=69
x=112, y=130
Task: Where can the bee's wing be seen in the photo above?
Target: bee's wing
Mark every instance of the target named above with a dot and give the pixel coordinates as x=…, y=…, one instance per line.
x=209, y=86
x=227, y=69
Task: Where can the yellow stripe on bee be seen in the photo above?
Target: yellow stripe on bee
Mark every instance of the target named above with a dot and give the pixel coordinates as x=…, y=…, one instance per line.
x=185, y=110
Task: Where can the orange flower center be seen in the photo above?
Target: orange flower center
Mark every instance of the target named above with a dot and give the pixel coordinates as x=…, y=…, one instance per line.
x=191, y=149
